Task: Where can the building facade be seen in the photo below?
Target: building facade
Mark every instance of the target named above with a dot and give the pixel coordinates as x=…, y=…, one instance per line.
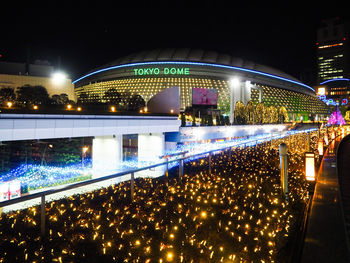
x=150, y=72
x=335, y=92
x=14, y=75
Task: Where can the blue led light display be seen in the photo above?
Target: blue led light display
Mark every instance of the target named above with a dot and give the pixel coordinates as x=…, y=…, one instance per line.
x=40, y=176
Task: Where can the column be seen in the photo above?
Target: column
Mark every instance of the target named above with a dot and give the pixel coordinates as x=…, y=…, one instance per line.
x=235, y=95
x=106, y=154
x=150, y=147
x=246, y=96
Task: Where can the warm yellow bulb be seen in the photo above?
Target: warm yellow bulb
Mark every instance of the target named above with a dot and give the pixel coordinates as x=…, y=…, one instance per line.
x=169, y=256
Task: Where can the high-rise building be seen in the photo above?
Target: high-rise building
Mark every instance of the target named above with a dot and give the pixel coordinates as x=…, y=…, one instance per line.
x=333, y=56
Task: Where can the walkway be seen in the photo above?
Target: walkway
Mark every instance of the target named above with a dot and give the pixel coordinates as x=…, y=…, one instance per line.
x=325, y=239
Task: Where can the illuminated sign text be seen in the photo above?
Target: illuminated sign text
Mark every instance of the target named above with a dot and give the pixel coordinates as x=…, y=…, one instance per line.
x=164, y=71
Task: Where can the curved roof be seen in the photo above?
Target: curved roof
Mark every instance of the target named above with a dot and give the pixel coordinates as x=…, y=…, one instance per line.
x=195, y=55
x=341, y=80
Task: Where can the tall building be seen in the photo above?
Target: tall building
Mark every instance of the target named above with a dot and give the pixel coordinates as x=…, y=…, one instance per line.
x=333, y=56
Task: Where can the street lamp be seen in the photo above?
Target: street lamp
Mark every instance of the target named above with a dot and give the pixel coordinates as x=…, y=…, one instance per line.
x=310, y=173
x=9, y=104
x=58, y=78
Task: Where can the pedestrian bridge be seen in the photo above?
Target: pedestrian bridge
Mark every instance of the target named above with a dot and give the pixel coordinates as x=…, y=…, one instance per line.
x=16, y=127
x=107, y=130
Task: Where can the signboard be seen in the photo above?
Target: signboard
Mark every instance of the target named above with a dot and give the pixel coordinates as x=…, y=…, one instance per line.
x=202, y=96
x=161, y=71
x=10, y=190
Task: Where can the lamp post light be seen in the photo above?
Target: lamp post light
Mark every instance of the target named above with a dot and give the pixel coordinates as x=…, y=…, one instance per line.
x=310, y=173
x=9, y=104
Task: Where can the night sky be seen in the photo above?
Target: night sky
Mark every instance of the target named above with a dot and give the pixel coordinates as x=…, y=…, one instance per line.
x=85, y=35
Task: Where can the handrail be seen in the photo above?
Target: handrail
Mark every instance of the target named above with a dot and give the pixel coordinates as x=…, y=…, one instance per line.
x=346, y=138
x=74, y=185
x=108, y=177
x=65, y=116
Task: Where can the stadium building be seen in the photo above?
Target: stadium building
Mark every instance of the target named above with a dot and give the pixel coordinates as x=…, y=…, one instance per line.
x=150, y=72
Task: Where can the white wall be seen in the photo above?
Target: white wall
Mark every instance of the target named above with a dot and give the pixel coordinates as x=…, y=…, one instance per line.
x=15, y=81
x=150, y=147
x=16, y=127
x=106, y=153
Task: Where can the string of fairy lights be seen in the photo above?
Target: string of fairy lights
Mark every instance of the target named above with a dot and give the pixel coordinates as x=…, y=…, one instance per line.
x=234, y=214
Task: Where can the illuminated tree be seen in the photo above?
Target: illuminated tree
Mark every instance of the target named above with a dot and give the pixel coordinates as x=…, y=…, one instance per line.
x=240, y=113
x=267, y=115
x=259, y=113
x=283, y=115
x=273, y=114
x=347, y=116
x=250, y=112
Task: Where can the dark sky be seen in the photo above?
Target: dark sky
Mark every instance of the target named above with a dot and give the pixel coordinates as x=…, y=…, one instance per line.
x=87, y=34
